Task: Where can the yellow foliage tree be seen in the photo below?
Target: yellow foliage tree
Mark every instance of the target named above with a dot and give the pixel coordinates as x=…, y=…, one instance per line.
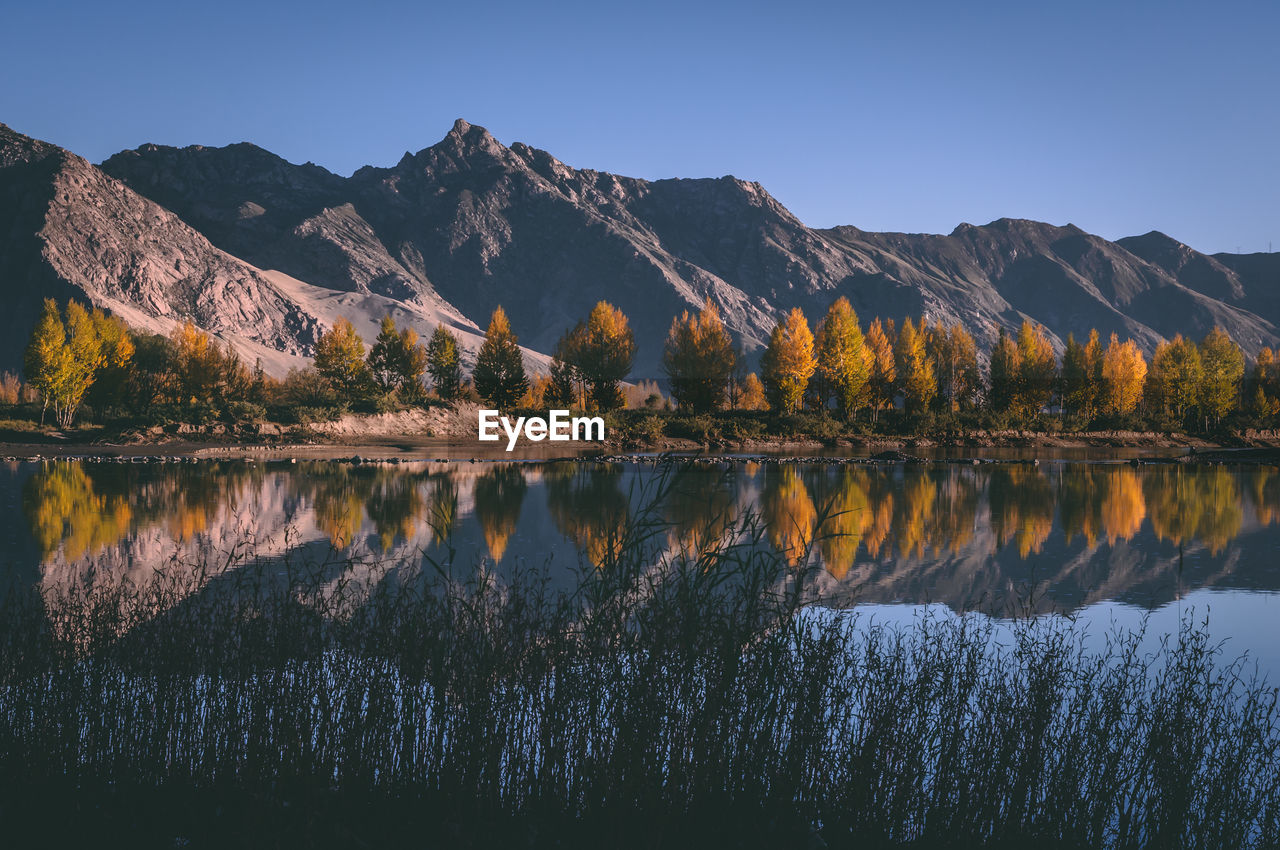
x=698, y=359
x=788, y=362
x=915, y=373
x=884, y=374
x=63, y=357
x=843, y=360
x=753, y=397
x=1176, y=375
x=1037, y=370
x=954, y=358
x=1124, y=373
x=610, y=348
x=1003, y=371
x=340, y=358
x=1223, y=368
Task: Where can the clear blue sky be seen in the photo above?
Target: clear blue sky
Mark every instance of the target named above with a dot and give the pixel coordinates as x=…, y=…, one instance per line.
x=1120, y=117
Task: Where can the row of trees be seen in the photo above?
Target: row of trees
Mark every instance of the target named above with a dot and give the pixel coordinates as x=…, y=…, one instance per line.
x=932, y=367
x=838, y=365
x=76, y=355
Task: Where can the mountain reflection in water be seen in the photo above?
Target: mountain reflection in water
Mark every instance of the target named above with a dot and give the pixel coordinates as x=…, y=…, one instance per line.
x=1056, y=537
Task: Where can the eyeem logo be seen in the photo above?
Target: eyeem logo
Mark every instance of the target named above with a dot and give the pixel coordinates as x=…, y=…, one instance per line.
x=559, y=427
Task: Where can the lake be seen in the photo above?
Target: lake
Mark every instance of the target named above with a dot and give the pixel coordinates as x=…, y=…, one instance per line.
x=849, y=648
x=1104, y=540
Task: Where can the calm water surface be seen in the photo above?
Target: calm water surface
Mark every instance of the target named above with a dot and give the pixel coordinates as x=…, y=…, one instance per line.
x=1106, y=541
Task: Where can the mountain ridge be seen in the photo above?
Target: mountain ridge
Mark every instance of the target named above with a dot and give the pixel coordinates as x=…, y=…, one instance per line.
x=257, y=249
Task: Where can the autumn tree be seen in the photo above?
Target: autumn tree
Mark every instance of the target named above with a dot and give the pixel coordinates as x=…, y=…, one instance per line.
x=606, y=355
x=1124, y=373
x=1223, y=363
x=397, y=361
x=47, y=359
x=204, y=372
x=384, y=356
x=499, y=375
x=116, y=363
x=955, y=364
x=844, y=362
x=195, y=365
x=1264, y=385
x=1037, y=370
x=340, y=359
x=1003, y=372
x=1177, y=374
x=916, y=379
x=883, y=375
x=698, y=359
x=788, y=362
x=567, y=387
x=753, y=396
x=444, y=363
x=1078, y=388
x=66, y=354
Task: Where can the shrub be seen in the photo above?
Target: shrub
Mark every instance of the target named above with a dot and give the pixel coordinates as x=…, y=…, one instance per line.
x=703, y=428
x=246, y=411
x=651, y=429
x=742, y=429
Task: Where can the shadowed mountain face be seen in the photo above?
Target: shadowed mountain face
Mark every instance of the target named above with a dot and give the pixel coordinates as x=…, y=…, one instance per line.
x=456, y=229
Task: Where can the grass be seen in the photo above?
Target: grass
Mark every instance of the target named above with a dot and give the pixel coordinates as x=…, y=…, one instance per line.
x=679, y=700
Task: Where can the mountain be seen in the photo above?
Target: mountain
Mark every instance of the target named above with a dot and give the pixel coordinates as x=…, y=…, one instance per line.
x=449, y=233
x=66, y=229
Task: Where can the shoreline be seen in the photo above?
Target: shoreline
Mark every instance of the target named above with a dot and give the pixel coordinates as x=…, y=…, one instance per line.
x=1135, y=447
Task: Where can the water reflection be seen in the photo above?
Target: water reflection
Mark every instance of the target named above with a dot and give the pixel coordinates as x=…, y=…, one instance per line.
x=588, y=506
x=499, y=493
x=1073, y=533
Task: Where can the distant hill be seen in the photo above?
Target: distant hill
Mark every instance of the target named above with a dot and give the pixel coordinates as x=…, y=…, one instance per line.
x=267, y=253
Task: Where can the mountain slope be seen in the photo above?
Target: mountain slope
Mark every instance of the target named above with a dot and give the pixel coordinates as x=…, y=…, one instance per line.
x=472, y=223
x=68, y=229
x=268, y=252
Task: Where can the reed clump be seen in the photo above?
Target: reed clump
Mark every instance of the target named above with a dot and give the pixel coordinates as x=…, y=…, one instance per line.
x=656, y=700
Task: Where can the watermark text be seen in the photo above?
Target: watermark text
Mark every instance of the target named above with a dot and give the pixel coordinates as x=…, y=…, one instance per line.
x=558, y=426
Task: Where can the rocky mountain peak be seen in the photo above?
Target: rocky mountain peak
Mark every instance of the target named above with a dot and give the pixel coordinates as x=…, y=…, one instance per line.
x=465, y=147
x=16, y=148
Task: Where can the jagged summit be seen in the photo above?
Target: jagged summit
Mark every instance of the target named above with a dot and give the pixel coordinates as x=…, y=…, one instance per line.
x=17, y=148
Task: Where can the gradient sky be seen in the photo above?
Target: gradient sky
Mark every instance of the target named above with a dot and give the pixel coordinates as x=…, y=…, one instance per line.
x=1120, y=117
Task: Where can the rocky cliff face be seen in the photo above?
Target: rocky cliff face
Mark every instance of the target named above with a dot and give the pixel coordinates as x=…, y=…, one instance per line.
x=72, y=230
x=458, y=228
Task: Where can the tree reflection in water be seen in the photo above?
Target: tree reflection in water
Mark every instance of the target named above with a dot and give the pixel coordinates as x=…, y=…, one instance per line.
x=700, y=508
x=788, y=511
x=442, y=510
x=65, y=510
x=1193, y=502
x=842, y=493
x=499, y=494
x=1021, y=504
x=395, y=505
x=338, y=496
x=588, y=506
x=876, y=526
